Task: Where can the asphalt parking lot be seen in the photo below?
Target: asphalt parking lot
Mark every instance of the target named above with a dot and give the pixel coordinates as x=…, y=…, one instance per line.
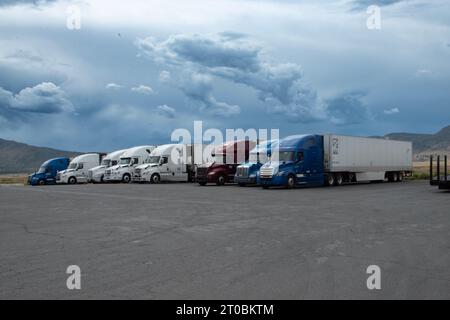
x=183, y=241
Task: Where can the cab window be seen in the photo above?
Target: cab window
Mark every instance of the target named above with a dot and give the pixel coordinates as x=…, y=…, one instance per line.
x=135, y=160
x=80, y=166
x=300, y=156
x=164, y=160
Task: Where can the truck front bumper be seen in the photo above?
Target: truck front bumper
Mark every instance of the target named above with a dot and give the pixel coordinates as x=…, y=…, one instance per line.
x=275, y=181
x=245, y=180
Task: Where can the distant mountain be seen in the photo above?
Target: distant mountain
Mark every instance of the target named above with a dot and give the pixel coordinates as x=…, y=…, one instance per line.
x=426, y=144
x=18, y=157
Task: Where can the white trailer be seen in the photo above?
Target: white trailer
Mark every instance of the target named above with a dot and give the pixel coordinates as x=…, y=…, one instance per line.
x=129, y=160
x=97, y=174
x=365, y=159
x=78, y=169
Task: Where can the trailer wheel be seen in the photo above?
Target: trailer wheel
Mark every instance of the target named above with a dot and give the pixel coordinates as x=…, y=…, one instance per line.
x=339, y=180
x=400, y=177
x=290, y=183
x=72, y=180
x=155, y=178
x=221, y=180
x=265, y=187
x=329, y=180
x=241, y=184
x=394, y=176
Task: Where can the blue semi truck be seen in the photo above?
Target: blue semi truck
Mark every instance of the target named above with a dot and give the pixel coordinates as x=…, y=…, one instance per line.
x=248, y=172
x=48, y=171
x=329, y=159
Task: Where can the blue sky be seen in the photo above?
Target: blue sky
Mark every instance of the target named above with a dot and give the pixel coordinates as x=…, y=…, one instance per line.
x=136, y=69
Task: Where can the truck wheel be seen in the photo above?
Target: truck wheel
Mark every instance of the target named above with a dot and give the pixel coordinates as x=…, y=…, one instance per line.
x=202, y=183
x=241, y=184
x=126, y=178
x=395, y=177
x=155, y=178
x=41, y=182
x=351, y=177
x=339, y=180
x=72, y=180
x=265, y=187
x=221, y=180
x=329, y=180
x=400, y=177
x=290, y=183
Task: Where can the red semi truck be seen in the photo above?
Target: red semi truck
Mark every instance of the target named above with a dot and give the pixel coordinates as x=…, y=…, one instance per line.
x=226, y=158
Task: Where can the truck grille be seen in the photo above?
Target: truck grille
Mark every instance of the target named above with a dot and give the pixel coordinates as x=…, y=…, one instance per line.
x=137, y=172
x=58, y=176
x=90, y=175
x=266, y=172
x=108, y=172
x=242, y=172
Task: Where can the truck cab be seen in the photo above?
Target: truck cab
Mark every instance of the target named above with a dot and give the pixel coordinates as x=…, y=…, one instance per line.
x=78, y=169
x=48, y=171
x=248, y=172
x=129, y=160
x=298, y=160
x=97, y=174
x=169, y=162
x=225, y=160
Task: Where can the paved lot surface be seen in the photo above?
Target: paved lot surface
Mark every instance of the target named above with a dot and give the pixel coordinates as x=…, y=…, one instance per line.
x=190, y=242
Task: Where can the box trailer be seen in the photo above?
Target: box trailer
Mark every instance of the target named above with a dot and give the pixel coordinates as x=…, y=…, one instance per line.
x=331, y=159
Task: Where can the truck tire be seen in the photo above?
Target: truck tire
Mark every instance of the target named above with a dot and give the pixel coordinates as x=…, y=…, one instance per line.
x=265, y=187
x=400, y=177
x=126, y=178
x=290, y=183
x=72, y=180
x=155, y=178
x=351, y=177
x=339, y=180
x=395, y=176
x=241, y=184
x=202, y=183
x=41, y=182
x=221, y=180
x=329, y=179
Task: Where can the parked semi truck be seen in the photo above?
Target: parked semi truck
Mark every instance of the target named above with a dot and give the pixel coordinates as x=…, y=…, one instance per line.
x=331, y=159
x=169, y=162
x=225, y=159
x=248, y=172
x=78, y=169
x=97, y=174
x=129, y=160
x=48, y=171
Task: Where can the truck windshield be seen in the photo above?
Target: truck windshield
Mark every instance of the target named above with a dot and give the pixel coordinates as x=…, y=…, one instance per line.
x=153, y=159
x=125, y=161
x=284, y=156
x=106, y=162
x=42, y=169
x=73, y=165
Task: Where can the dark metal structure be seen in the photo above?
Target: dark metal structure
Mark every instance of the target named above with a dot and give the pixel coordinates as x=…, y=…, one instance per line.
x=442, y=181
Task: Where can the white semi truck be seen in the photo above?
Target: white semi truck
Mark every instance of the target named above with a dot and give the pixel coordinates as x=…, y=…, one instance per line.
x=171, y=162
x=97, y=174
x=129, y=160
x=78, y=169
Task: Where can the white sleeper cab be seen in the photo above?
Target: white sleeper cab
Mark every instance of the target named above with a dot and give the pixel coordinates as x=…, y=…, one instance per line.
x=78, y=169
x=97, y=174
x=170, y=162
x=129, y=160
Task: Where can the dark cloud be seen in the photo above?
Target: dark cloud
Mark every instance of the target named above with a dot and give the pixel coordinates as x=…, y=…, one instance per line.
x=348, y=109
x=5, y=3
x=166, y=111
x=234, y=57
x=43, y=98
x=364, y=4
